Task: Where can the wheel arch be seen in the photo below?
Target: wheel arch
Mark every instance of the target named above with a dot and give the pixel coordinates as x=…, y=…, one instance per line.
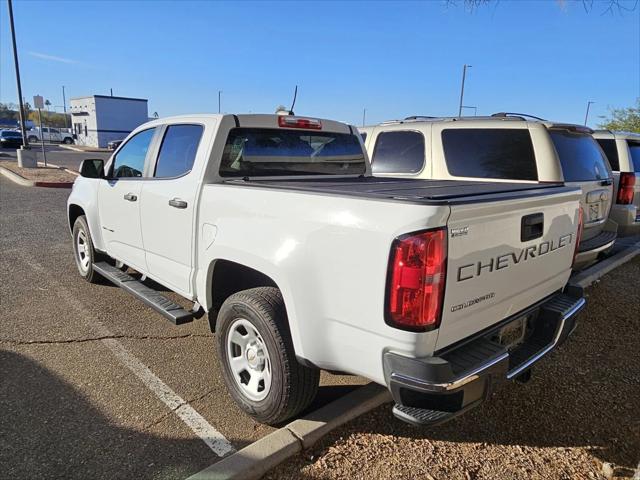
x=73, y=212
x=226, y=277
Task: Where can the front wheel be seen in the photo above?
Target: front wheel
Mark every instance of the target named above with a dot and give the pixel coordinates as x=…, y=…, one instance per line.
x=67, y=141
x=259, y=365
x=84, y=253
x=32, y=139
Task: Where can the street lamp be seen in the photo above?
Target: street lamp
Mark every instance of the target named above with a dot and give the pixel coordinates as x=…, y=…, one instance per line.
x=475, y=109
x=219, y=99
x=464, y=75
x=586, y=117
x=25, y=141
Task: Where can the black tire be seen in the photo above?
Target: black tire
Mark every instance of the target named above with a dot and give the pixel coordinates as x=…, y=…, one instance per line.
x=32, y=139
x=67, y=141
x=81, y=228
x=293, y=386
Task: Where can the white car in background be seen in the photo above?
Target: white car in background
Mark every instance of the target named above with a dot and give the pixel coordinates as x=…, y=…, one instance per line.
x=623, y=151
x=50, y=135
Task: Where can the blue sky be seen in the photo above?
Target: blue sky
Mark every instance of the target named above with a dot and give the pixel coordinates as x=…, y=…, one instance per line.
x=395, y=59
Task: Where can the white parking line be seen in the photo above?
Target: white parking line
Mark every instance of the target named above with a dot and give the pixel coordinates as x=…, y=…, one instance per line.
x=209, y=435
x=196, y=422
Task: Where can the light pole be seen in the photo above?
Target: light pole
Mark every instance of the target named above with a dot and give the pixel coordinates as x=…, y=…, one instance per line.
x=25, y=140
x=464, y=76
x=586, y=116
x=219, y=99
x=364, y=116
x=64, y=107
x=475, y=109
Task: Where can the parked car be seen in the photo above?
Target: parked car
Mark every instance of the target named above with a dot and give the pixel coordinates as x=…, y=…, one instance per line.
x=502, y=148
x=113, y=144
x=274, y=226
x=623, y=151
x=10, y=138
x=49, y=135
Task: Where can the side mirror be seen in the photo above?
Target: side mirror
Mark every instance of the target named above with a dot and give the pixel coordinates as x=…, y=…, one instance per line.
x=92, y=168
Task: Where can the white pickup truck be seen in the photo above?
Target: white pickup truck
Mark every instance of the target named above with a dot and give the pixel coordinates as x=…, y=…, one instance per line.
x=274, y=226
x=50, y=135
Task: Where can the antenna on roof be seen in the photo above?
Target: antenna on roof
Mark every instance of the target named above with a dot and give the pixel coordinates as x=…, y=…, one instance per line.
x=295, y=95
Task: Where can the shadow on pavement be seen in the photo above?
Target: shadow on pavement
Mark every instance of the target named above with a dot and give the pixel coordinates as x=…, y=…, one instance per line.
x=49, y=430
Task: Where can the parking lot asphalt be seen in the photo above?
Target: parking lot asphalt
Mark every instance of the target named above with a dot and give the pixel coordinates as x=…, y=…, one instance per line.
x=71, y=407
x=57, y=155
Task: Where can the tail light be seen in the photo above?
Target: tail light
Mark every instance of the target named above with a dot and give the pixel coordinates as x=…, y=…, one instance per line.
x=578, y=234
x=416, y=279
x=625, y=188
x=299, y=122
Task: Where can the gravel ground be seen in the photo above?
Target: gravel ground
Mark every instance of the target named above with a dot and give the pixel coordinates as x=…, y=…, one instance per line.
x=578, y=418
x=40, y=174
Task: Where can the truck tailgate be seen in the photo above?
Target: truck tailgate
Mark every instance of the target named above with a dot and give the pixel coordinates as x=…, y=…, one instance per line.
x=503, y=257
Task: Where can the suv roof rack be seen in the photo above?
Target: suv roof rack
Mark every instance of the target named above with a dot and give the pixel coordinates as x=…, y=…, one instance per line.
x=523, y=116
x=420, y=117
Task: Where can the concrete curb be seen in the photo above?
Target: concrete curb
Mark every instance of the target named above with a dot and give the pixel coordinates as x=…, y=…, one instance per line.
x=20, y=180
x=592, y=274
x=253, y=461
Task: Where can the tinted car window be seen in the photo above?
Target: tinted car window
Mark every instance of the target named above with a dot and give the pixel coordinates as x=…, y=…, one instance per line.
x=580, y=157
x=364, y=137
x=611, y=151
x=264, y=152
x=129, y=162
x=490, y=153
x=398, y=152
x=178, y=150
x=634, y=150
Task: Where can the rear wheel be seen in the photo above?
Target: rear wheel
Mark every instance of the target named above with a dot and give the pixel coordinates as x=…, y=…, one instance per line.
x=84, y=253
x=259, y=364
x=32, y=138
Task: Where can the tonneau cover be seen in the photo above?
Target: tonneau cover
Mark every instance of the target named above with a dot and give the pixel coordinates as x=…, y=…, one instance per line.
x=433, y=192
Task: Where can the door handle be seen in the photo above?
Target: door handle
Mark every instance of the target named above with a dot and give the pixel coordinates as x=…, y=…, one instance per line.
x=606, y=181
x=177, y=203
x=131, y=197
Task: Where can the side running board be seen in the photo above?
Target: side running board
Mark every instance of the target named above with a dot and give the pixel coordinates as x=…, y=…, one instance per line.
x=172, y=311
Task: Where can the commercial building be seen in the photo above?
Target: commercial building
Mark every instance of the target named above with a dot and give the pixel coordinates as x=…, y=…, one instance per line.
x=98, y=119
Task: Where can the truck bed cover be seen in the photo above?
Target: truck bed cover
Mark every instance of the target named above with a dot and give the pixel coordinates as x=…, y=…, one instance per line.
x=427, y=192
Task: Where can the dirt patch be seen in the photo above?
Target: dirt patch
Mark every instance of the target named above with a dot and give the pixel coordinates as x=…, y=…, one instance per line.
x=40, y=174
x=578, y=418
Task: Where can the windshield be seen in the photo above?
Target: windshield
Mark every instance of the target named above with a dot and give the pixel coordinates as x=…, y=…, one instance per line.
x=12, y=134
x=580, y=156
x=261, y=152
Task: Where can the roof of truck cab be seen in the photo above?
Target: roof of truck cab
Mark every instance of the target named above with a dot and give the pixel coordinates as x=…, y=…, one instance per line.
x=250, y=120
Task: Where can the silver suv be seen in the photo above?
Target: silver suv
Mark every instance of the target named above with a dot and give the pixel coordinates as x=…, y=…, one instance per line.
x=623, y=151
x=502, y=148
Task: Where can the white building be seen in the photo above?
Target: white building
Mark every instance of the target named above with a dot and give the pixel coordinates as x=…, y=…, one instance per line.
x=98, y=119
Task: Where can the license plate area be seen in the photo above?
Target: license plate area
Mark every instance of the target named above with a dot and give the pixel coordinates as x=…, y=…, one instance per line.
x=512, y=334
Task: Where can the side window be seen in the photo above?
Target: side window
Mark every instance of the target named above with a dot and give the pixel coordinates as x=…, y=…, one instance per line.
x=53, y=130
x=634, y=151
x=505, y=153
x=611, y=151
x=398, y=152
x=364, y=136
x=178, y=150
x=129, y=162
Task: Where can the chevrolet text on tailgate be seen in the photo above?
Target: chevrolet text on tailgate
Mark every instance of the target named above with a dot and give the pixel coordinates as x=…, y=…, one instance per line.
x=274, y=227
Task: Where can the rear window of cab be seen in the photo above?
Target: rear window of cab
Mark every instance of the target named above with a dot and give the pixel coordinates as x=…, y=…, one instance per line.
x=502, y=153
x=262, y=152
x=634, y=151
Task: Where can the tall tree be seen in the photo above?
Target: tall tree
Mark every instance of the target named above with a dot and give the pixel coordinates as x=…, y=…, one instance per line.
x=627, y=119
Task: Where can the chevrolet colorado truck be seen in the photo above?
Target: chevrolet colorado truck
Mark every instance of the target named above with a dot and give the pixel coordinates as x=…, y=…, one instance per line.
x=275, y=228
x=504, y=147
